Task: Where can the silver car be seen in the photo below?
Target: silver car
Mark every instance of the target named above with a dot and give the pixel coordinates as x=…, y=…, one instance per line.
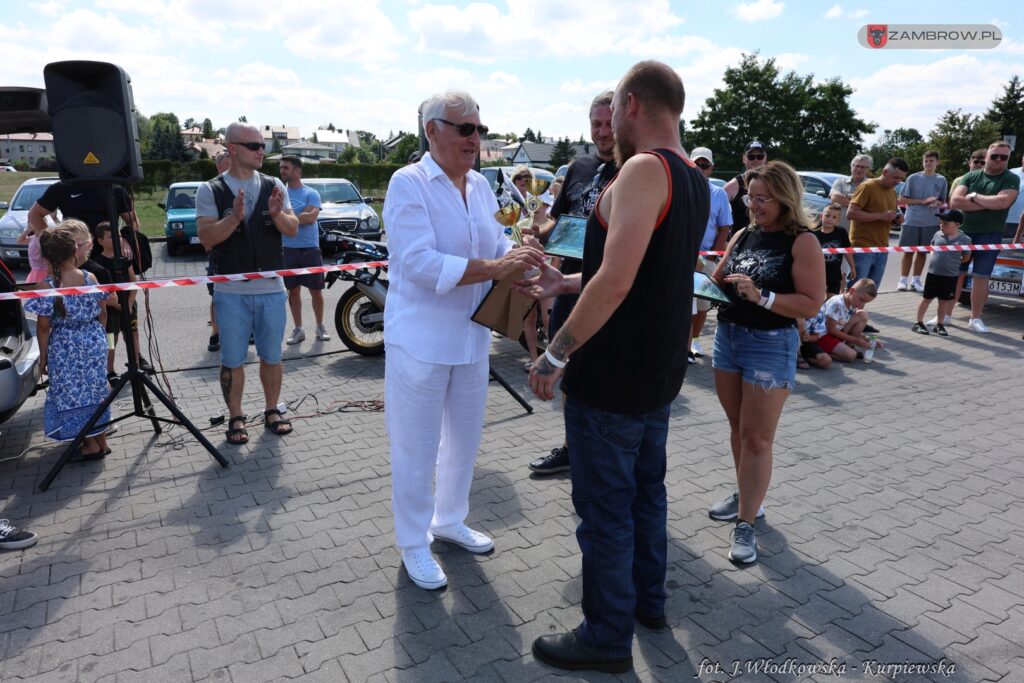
x=343, y=209
x=19, y=352
x=14, y=222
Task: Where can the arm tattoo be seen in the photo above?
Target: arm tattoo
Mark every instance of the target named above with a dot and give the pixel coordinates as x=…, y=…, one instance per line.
x=225, y=382
x=563, y=343
x=543, y=367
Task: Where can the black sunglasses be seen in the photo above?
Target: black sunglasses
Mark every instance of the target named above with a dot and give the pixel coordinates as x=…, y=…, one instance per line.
x=977, y=161
x=703, y=164
x=252, y=146
x=755, y=157
x=998, y=157
x=466, y=129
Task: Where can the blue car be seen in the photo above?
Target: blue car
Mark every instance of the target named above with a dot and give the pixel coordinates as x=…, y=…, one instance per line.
x=180, y=225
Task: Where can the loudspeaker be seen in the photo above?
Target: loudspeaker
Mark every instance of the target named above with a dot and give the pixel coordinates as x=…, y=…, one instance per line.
x=23, y=110
x=95, y=132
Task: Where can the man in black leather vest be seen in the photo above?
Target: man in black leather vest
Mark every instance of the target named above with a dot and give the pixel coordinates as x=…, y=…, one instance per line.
x=241, y=215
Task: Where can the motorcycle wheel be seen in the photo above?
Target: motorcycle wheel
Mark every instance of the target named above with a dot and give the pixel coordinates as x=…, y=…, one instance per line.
x=366, y=339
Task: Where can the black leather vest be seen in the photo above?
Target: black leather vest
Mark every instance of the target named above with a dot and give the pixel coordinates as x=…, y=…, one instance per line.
x=255, y=245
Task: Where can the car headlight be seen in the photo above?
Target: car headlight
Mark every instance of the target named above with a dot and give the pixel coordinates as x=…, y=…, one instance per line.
x=10, y=233
x=373, y=222
x=177, y=226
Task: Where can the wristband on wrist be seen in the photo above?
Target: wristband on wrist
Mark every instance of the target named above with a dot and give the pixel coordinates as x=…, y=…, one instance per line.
x=554, y=361
x=767, y=299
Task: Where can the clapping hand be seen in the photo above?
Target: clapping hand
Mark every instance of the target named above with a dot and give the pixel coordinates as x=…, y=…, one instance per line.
x=276, y=201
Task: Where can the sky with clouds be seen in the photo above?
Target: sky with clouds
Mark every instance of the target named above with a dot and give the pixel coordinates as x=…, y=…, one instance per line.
x=538, y=63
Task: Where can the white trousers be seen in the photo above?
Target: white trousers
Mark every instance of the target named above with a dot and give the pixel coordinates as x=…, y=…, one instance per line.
x=435, y=418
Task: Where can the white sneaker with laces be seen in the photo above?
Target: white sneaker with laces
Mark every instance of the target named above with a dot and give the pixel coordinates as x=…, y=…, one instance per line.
x=321, y=333
x=917, y=285
x=466, y=538
x=297, y=336
x=901, y=286
x=978, y=326
x=695, y=348
x=946, y=320
x=424, y=570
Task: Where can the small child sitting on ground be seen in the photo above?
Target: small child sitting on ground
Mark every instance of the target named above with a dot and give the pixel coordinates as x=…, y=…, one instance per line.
x=943, y=269
x=841, y=322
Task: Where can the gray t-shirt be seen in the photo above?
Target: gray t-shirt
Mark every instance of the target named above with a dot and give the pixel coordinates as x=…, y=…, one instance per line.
x=847, y=187
x=947, y=262
x=921, y=186
x=206, y=206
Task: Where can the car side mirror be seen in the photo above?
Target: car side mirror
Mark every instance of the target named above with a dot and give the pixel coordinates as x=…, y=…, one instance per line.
x=4, y=205
x=161, y=205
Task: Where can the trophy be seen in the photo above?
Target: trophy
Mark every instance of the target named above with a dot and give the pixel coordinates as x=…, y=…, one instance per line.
x=535, y=187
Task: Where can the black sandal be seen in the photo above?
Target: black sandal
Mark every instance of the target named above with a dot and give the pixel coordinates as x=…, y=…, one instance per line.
x=280, y=426
x=237, y=431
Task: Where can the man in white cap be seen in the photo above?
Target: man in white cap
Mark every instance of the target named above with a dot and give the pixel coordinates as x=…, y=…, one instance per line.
x=716, y=236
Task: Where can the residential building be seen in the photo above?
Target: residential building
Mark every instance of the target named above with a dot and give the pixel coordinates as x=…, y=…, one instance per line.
x=336, y=139
x=27, y=147
x=284, y=135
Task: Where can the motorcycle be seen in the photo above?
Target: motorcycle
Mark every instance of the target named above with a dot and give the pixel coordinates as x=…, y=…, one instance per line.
x=359, y=315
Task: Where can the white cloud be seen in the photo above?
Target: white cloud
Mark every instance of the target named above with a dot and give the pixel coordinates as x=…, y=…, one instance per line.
x=758, y=10
x=858, y=13
x=835, y=12
x=481, y=33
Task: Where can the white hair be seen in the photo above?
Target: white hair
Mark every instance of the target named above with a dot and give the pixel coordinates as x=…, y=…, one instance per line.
x=862, y=157
x=438, y=106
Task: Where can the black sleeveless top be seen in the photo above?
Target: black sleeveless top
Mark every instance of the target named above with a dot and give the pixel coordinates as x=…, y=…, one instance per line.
x=740, y=217
x=767, y=257
x=636, y=362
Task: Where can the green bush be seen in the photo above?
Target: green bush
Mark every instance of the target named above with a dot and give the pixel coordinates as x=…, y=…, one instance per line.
x=159, y=174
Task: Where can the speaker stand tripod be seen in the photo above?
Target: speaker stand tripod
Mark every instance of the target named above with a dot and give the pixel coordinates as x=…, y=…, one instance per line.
x=134, y=377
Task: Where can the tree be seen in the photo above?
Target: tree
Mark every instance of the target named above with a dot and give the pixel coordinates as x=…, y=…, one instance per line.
x=907, y=143
x=243, y=119
x=1007, y=112
x=276, y=146
x=190, y=123
x=408, y=144
x=529, y=135
x=208, y=132
x=313, y=139
x=165, y=141
x=956, y=135
x=806, y=124
x=540, y=136
x=562, y=153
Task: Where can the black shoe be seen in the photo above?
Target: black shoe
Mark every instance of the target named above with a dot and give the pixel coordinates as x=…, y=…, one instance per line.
x=652, y=623
x=112, y=376
x=554, y=462
x=919, y=328
x=146, y=366
x=564, y=651
x=252, y=340
x=871, y=329
x=214, y=344
x=691, y=359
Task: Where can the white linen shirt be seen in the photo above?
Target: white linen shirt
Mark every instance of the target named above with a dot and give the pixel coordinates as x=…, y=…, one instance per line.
x=432, y=235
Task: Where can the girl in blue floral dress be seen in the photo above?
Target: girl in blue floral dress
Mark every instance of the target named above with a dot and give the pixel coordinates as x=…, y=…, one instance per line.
x=72, y=345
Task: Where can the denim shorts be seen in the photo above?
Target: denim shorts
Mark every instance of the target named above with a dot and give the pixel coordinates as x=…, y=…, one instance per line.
x=239, y=315
x=766, y=358
x=983, y=261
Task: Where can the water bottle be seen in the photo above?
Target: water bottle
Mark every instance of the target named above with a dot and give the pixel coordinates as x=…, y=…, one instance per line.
x=869, y=353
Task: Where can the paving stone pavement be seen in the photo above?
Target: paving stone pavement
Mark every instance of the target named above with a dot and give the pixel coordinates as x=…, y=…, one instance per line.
x=892, y=535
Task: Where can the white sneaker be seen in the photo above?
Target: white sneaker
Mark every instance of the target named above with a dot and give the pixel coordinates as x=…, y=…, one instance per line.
x=321, y=333
x=468, y=539
x=297, y=336
x=946, y=320
x=424, y=570
x=917, y=285
x=901, y=286
x=978, y=326
x=695, y=348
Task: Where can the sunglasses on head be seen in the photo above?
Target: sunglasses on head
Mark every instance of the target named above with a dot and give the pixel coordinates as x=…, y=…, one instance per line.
x=252, y=146
x=466, y=129
x=999, y=157
x=755, y=157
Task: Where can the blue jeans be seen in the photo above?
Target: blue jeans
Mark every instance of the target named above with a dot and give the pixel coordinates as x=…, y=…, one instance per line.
x=870, y=266
x=618, y=490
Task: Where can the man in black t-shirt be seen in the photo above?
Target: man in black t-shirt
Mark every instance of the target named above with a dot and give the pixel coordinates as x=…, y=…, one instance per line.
x=586, y=178
x=87, y=203
x=754, y=156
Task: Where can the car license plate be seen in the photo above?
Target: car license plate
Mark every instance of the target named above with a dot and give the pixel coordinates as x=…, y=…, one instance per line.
x=193, y=240
x=1004, y=287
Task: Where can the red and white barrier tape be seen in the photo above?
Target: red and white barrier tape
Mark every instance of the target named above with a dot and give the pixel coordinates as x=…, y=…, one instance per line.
x=911, y=250
x=184, y=281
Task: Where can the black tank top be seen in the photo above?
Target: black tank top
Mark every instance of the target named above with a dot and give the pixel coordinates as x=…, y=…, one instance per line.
x=636, y=362
x=767, y=257
x=740, y=217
